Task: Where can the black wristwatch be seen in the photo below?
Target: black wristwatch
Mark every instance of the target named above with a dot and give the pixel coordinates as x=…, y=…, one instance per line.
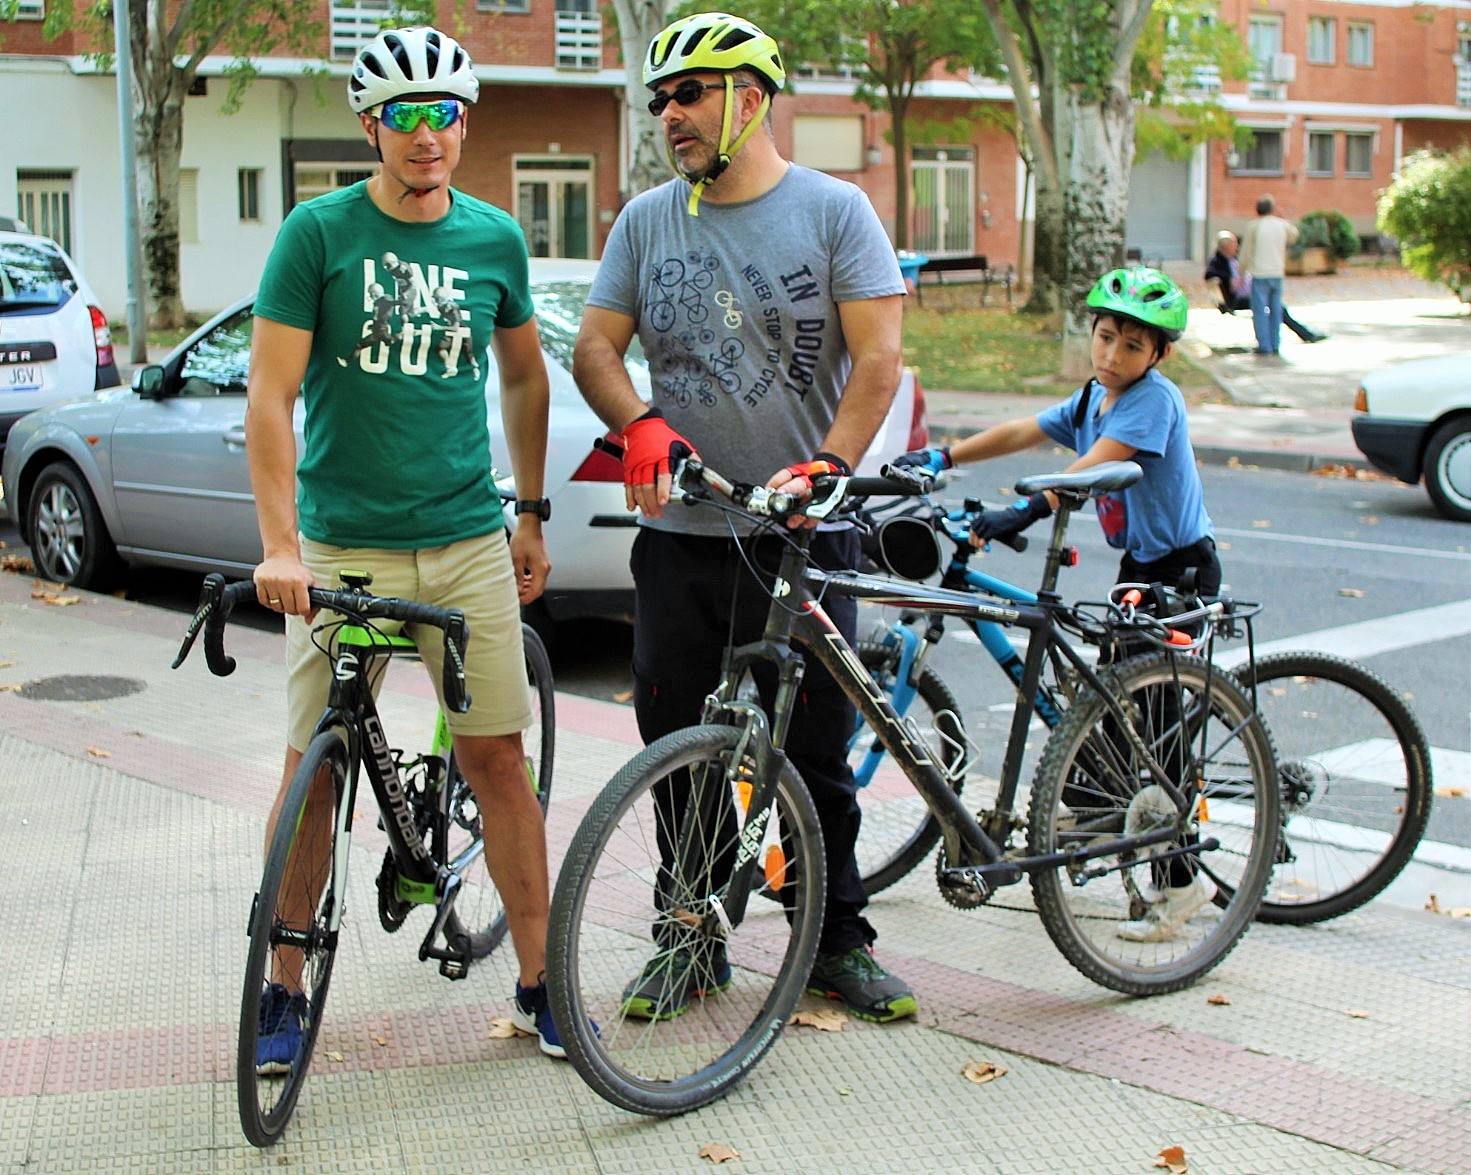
x=541, y=507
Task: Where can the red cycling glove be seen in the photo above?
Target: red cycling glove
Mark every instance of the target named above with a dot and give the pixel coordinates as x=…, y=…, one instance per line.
x=651, y=447
x=821, y=465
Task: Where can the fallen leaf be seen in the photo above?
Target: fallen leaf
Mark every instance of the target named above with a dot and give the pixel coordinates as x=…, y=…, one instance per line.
x=1277, y=691
x=823, y=1019
x=1261, y=523
x=980, y=1072
x=1233, y=462
x=11, y=687
x=1356, y=1013
x=1223, y=546
x=845, y=1092
x=1369, y=519
x=502, y=1028
x=380, y=1040
x=1352, y=593
x=99, y=753
x=20, y=564
x=1172, y=1158
x=1459, y=912
x=1432, y=903
x=7, y=664
x=718, y=1152
x=1220, y=1001
x=623, y=695
x=1450, y=791
x=334, y=1055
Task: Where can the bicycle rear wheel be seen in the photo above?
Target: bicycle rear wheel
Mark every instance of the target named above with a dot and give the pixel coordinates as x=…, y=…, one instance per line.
x=898, y=831
x=1354, y=766
x=1092, y=786
x=293, y=943
x=479, y=912
x=664, y=1026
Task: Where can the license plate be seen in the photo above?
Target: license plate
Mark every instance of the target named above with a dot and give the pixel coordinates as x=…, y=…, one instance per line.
x=26, y=378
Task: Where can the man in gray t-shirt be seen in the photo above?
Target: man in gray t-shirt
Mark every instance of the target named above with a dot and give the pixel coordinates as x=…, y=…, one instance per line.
x=767, y=300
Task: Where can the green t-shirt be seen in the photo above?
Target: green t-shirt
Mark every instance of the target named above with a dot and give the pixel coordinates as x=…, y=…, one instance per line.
x=397, y=446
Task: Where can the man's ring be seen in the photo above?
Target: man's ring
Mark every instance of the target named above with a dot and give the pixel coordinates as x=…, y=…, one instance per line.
x=272, y=600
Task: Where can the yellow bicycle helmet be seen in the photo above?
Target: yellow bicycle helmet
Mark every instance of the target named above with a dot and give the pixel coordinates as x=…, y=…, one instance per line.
x=722, y=43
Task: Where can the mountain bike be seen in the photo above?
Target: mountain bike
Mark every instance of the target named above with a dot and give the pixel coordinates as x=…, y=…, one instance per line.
x=1352, y=759
x=667, y=859
x=436, y=852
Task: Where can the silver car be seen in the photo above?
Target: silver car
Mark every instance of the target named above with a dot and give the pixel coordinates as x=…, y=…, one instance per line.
x=157, y=474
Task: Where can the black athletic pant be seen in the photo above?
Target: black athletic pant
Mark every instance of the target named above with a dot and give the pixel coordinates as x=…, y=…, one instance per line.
x=682, y=622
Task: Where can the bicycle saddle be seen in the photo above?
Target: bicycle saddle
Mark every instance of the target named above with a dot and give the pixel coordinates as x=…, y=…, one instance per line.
x=1096, y=479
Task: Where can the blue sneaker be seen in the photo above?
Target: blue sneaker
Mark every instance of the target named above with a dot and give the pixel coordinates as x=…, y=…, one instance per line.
x=530, y=1012
x=279, y=1030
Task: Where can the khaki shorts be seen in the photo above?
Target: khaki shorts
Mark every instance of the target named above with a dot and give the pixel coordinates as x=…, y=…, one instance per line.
x=474, y=575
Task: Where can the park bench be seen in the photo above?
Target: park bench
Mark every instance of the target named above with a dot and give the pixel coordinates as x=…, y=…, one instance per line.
x=974, y=263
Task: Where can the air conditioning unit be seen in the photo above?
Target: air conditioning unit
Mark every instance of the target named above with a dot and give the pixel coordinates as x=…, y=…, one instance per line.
x=1284, y=67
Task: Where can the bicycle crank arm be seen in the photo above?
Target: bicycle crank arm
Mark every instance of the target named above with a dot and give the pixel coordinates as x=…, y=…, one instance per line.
x=1209, y=845
x=454, y=958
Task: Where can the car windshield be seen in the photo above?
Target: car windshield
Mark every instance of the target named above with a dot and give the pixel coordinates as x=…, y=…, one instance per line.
x=32, y=276
x=559, y=307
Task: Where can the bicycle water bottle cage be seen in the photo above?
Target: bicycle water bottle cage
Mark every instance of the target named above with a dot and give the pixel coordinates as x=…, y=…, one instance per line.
x=355, y=581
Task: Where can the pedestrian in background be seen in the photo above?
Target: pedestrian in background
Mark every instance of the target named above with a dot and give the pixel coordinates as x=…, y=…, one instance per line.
x=1235, y=284
x=1264, y=256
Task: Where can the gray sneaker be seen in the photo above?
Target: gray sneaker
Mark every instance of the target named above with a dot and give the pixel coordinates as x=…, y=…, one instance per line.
x=671, y=979
x=860, y=981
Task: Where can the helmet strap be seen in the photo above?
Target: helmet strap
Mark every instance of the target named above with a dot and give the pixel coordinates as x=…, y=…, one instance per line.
x=727, y=149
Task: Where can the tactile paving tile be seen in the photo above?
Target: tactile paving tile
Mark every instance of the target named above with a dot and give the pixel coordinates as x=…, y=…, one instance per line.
x=1440, y=1143
x=17, y=1112
x=101, y=1125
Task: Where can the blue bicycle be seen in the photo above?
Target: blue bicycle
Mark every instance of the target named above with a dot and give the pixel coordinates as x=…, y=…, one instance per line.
x=1353, y=762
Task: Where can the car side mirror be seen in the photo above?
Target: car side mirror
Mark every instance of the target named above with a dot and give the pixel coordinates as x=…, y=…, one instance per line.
x=148, y=382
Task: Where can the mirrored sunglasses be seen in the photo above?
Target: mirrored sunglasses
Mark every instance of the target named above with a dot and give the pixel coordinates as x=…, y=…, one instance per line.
x=406, y=116
x=687, y=93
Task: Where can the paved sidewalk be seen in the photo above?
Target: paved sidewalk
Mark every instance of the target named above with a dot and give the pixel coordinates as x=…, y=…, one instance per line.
x=136, y=821
x=1286, y=412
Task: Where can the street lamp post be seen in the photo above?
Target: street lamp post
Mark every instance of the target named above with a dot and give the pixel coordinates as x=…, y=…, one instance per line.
x=132, y=258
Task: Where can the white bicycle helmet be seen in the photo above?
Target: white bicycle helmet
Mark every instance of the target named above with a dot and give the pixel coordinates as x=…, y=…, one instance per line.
x=402, y=62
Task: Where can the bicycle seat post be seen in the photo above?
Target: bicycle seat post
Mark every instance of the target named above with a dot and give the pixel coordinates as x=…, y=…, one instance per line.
x=1057, y=546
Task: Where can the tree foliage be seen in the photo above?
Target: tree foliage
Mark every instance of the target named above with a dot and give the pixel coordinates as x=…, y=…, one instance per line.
x=888, y=47
x=1428, y=208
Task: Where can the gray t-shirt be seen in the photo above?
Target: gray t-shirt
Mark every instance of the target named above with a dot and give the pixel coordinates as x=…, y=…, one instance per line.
x=737, y=311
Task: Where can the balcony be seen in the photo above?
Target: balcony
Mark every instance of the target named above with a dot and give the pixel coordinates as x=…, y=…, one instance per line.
x=579, y=40
x=355, y=24
x=1463, y=84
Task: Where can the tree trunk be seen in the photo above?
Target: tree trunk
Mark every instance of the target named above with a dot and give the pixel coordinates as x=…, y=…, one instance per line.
x=897, y=113
x=1086, y=225
x=638, y=21
x=1049, y=247
x=159, y=139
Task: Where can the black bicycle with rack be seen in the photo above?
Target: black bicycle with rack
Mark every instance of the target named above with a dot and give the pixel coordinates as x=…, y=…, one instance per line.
x=436, y=853
x=1353, y=762
x=670, y=854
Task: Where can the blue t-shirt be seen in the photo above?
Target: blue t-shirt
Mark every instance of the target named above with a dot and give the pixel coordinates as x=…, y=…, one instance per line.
x=1165, y=509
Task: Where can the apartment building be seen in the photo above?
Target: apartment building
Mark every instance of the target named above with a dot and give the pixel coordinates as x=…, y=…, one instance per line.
x=1339, y=92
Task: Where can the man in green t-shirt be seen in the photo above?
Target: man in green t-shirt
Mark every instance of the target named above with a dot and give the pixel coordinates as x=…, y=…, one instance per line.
x=395, y=471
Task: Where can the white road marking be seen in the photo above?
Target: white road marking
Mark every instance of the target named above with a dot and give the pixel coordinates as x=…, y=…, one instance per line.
x=1366, y=638
x=1346, y=544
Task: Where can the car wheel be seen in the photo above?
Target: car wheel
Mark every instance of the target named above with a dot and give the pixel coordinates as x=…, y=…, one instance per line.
x=1448, y=469
x=69, y=540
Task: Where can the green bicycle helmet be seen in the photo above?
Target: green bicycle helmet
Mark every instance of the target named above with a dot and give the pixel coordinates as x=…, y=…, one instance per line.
x=713, y=40
x=1142, y=295
x=722, y=43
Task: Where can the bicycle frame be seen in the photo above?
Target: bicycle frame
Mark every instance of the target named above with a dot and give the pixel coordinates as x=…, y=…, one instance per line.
x=975, y=852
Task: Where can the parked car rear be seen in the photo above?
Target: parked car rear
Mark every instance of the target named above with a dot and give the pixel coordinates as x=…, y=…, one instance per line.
x=55, y=345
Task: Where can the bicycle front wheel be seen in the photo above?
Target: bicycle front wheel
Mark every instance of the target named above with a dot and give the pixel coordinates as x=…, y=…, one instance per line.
x=480, y=913
x=898, y=830
x=293, y=942
x=1143, y=921
x=1354, y=767
x=663, y=998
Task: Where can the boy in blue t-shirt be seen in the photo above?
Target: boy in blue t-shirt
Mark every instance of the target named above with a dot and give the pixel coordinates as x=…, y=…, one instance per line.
x=1128, y=411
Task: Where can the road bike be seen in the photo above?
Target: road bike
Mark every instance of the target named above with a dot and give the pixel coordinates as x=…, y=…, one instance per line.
x=1353, y=761
x=1159, y=765
x=436, y=853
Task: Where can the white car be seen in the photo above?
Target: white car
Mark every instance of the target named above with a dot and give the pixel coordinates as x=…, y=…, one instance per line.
x=55, y=345
x=1414, y=419
x=157, y=474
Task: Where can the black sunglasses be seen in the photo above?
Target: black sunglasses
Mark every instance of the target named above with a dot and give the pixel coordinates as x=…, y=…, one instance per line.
x=687, y=93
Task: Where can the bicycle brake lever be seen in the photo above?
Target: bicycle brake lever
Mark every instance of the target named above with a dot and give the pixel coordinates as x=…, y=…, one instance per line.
x=209, y=599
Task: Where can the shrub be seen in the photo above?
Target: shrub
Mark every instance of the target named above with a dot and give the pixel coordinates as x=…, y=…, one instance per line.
x=1428, y=207
x=1326, y=229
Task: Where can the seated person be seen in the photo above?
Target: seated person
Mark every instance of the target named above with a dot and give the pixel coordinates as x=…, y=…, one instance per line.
x=1236, y=286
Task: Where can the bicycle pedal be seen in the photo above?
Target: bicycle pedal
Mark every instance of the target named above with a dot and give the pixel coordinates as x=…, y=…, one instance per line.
x=455, y=967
